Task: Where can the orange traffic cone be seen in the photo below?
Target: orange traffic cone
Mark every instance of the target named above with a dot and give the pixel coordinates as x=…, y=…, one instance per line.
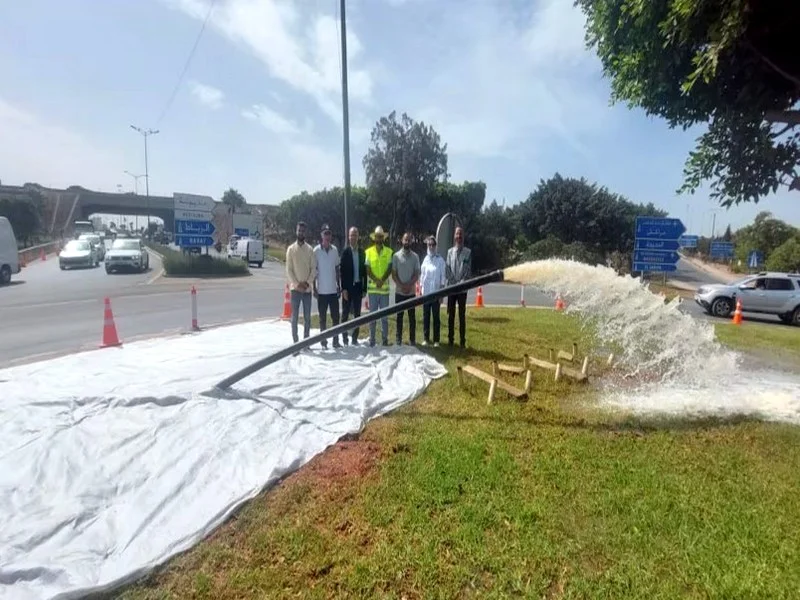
x=109, y=329
x=560, y=303
x=479, y=298
x=42, y=255
x=737, y=314
x=287, y=303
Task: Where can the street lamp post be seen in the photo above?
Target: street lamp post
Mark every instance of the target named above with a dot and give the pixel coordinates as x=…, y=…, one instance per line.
x=145, y=133
x=136, y=191
x=345, y=117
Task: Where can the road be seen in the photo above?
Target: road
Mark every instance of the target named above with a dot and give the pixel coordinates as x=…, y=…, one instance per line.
x=46, y=311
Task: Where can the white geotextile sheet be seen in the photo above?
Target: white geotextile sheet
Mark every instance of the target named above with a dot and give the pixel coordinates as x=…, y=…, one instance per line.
x=111, y=461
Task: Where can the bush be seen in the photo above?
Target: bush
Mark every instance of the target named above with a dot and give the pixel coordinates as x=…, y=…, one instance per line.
x=179, y=264
x=786, y=257
x=176, y=263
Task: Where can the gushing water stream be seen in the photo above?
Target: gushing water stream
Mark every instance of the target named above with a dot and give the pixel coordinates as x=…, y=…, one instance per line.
x=683, y=368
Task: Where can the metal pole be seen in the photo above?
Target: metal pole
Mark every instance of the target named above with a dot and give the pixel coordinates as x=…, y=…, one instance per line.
x=362, y=320
x=146, y=133
x=345, y=120
x=147, y=184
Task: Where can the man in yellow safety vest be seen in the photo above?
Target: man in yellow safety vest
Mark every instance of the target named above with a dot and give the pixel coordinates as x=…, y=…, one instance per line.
x=379, y=270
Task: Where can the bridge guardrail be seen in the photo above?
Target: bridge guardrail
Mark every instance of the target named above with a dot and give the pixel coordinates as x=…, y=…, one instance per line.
x=27, y=255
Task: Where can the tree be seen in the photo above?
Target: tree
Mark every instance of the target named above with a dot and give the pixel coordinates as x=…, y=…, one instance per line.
x=786, y=257
x=728, y=235
x=406, y=159
x=732, y=65
x=573, y=210
x=24, y=217
x=234, y=200
x=765, y=235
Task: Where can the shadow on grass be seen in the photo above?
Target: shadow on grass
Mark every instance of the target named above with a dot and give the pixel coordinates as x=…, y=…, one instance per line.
x=491, y=319
x=632, y=424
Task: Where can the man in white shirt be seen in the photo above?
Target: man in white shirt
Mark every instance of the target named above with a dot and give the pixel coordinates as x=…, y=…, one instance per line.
x=433, y=277
x=328, y=284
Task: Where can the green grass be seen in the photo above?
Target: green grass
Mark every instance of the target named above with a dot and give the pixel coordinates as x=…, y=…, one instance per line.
x=449, y=497
x=277, y=253
x=782, y=340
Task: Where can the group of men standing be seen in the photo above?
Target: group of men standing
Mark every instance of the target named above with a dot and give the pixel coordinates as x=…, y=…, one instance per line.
x=321, y=272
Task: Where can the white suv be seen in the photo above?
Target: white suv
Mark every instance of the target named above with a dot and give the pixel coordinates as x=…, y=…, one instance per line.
x=767, y=293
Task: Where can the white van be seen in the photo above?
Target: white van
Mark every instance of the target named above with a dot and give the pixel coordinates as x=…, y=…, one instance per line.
x=9, y=255
x=249, y=250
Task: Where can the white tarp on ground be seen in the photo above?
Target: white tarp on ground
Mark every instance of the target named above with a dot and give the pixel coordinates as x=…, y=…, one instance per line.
x=112, y=461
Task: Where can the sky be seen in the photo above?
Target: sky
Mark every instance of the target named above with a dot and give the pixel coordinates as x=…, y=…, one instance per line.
x=508, y=84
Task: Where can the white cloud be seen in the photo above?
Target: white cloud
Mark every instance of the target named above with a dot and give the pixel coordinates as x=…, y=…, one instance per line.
x=40, y=152
x=517, y=82
x=274, y=121
x=207, y=95
x=298, y=46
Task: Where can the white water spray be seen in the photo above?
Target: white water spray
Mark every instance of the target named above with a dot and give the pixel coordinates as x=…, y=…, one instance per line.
x=684, y=368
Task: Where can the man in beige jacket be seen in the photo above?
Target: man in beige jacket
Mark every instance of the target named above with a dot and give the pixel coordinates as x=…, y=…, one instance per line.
x=301, y=270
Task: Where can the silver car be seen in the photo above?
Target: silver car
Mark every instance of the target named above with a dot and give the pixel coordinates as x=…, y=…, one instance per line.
x=78, y=253
x=127, y=254
x=766, y=293
x=97, y=242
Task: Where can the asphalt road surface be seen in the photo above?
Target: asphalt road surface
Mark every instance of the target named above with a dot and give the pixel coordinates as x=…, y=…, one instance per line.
x=46, y=311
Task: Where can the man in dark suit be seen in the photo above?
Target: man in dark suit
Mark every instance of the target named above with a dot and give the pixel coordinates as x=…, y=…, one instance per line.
x=354, y=281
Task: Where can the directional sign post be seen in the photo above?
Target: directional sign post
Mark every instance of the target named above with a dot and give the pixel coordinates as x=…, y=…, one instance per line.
x=656, y=244
x=194, y=220
x=755, y=258
x=689, y=241
x=721, y=250
x=193, y=241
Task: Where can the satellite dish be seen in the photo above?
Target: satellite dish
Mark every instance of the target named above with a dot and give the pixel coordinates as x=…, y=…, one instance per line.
x=445, y=232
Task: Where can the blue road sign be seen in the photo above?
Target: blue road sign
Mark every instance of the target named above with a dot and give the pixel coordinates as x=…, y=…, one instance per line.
x=661, y=267
x=194, y=227
x=656, y=243
x=193, y=241
x=664, y=245
x=721, y=249
x=651, y=256
x=653, y=228
x=241, y=232
x=755, y=258
x=689, y=241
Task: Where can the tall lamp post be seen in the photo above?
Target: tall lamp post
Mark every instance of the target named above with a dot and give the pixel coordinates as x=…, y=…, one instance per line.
x=135, y=191
x=345, y=119
x=145, y=133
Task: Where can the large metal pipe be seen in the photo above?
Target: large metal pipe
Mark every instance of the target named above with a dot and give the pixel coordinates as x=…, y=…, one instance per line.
x=458, y=288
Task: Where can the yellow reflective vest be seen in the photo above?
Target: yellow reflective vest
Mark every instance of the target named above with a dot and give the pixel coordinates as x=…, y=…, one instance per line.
x=381, y=264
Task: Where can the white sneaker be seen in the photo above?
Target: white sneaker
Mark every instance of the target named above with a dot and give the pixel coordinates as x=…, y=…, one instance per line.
x=436, y=345
x=424, y=343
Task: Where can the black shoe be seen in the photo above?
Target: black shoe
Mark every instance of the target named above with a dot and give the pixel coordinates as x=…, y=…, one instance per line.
x=336, y=344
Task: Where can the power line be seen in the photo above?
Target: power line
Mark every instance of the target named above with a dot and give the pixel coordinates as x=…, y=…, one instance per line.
x=188, y=62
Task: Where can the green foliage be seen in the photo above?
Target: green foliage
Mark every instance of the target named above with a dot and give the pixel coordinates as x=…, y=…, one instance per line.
x=786, y=257
x=234, y=200
x=178, y=264
x=765, y=234
x=732, y=65
x=24, y=216
x=404, y=162
x=572, y=210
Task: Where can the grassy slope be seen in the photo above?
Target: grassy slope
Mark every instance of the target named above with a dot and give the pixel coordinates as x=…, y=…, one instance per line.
x=449, y=497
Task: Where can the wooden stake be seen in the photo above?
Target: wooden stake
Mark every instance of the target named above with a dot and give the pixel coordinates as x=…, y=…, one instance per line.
x=528, y=381
x=585, y=367
x=558, y=372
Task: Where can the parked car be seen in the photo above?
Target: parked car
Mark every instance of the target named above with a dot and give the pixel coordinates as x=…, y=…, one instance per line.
x=127, y=254
x=9, y=256
x=98, y=242
x=766, y=293
x=78, y=253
